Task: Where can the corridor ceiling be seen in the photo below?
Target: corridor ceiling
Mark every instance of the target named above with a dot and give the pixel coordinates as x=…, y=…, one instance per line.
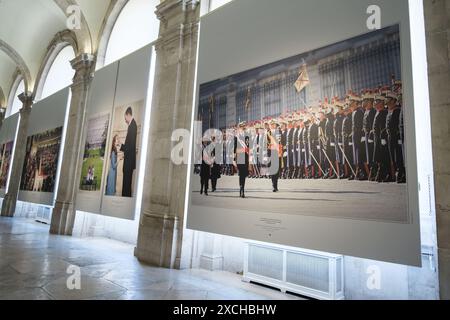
x=27, y=28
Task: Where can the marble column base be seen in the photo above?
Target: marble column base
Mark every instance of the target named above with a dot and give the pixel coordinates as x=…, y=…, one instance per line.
x=63, y=218
x=444, y=273
x=9, y=205
x=157, y=241
x=211, y=262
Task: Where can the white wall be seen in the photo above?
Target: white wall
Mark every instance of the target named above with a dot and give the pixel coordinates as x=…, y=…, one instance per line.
x=214, y=4
x=95, y=225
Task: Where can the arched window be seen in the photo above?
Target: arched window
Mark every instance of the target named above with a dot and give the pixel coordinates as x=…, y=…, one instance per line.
x=214, y=4
x=15, y=104
x=60, y=74
x=136, y=26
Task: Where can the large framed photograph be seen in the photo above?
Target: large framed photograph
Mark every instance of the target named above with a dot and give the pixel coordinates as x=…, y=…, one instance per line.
x=306, y=135
x=5, y=162
x=41, y=161
x=94, y=153
x=123, y=151
x=333, y=117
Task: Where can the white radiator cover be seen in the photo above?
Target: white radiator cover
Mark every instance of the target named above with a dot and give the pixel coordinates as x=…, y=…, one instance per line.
x=310, y=273
x=44, y=214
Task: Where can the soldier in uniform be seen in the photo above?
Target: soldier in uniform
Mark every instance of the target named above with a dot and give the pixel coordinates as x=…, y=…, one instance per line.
x=229, y=171
x=284, y=146
x=254, y=149
x=347, y=160
x=263, y=150
x=305, y=149
x=274, y=146
x=295, y=150
x=242, y=152
x=393, y=134
x=358, y=137
x=290, y=149
x=369, y=116
x=259, y=140
x=314, y=148
x=322, y=142
x=330, y=140
x=224, y=153
x=381, y=153
x=300, y=147
x=337, y=127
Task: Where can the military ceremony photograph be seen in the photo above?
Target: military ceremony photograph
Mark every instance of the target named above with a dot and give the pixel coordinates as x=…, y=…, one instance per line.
x=332, y=116
x=41, y=161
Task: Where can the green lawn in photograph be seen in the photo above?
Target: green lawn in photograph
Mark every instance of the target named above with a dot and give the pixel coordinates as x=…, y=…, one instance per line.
x=97, y=162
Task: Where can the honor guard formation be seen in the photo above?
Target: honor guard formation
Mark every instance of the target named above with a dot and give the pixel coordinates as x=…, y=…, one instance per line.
x=359, y=137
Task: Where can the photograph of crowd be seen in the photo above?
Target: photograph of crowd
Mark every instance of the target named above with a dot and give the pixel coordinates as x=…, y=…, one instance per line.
x=123, y=152
x=94, y=153
x=41, y=161
x=318, y=134
x=5, y=162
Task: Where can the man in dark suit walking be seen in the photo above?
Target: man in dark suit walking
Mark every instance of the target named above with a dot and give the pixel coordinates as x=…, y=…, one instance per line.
x=129, y=151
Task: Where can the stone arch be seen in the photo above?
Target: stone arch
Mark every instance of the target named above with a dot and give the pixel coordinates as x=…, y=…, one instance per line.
x=19, y=62
x=17, y=79
x=83, y=35
x=60, y=41
x=114, y=10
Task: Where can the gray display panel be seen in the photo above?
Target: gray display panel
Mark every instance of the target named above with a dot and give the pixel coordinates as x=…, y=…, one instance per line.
x=280, y=30
x=44, y=150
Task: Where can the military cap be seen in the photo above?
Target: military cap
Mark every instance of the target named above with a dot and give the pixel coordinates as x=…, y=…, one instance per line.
x=353, y=97
x=392, y=95
x=368, y=95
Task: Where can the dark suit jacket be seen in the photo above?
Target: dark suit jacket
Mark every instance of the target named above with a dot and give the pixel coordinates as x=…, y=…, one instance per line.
x=129, y=148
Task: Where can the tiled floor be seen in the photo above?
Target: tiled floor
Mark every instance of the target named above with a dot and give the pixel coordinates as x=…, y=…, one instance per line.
x=33, y=265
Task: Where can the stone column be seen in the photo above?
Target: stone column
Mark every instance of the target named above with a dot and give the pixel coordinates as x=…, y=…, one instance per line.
x=437, y=21
x=161, y=241
x=63, y=216
x=10, y=200
x=2, y=116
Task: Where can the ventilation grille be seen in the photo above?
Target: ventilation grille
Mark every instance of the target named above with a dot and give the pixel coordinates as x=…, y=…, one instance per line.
x=266, y=262
x=43, y=214
x=309, y=273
